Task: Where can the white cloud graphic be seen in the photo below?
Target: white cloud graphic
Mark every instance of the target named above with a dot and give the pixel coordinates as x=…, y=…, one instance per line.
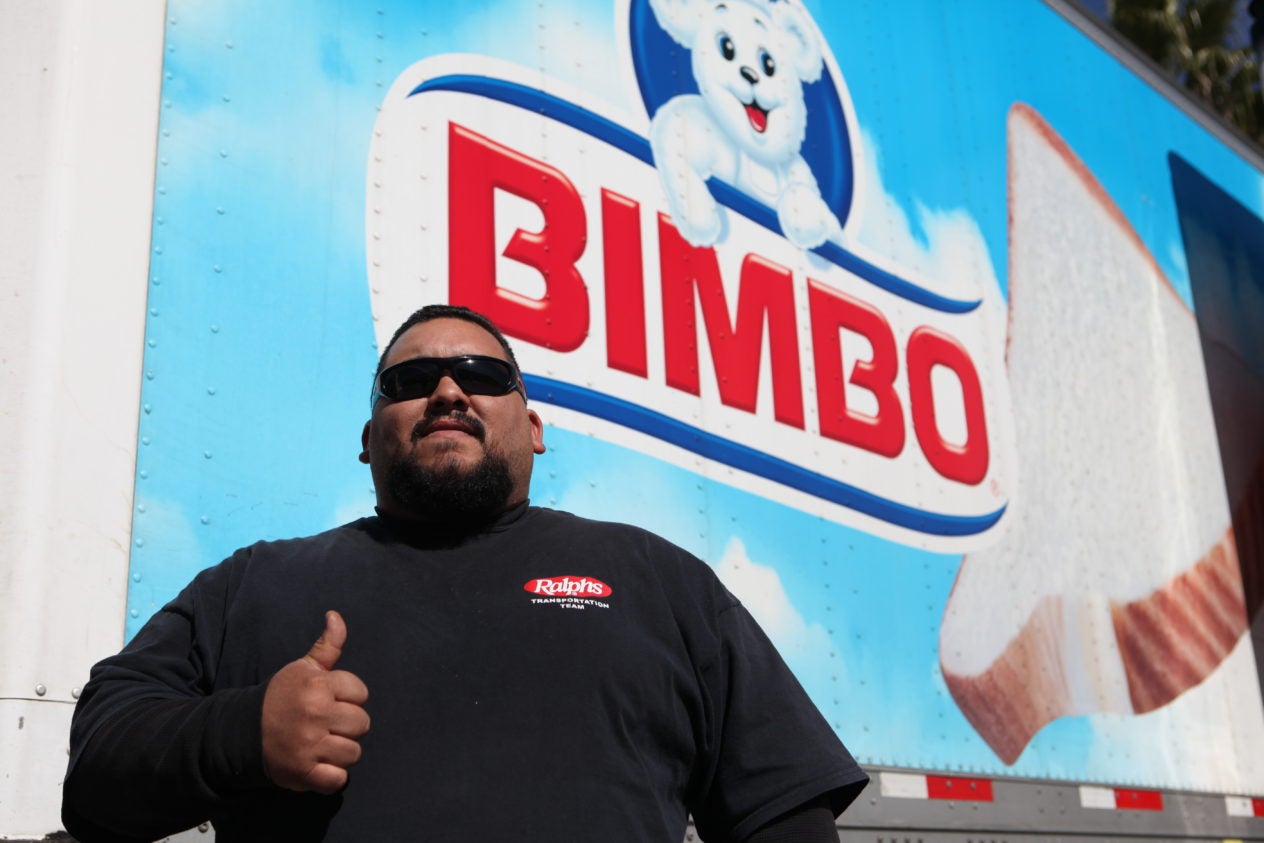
x=952, y=258
x=760, y=589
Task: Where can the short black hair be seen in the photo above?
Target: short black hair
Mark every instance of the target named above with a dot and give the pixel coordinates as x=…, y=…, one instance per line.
x=449, y=311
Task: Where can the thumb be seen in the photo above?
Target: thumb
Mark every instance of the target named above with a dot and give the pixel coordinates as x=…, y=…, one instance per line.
x=328, y=647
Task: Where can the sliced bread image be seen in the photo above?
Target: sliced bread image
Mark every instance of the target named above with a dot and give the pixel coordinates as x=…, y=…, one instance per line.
x=1115, y=587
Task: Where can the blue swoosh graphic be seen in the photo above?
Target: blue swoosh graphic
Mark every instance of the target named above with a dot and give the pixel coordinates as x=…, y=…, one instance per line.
x=755, y=462
x=622, y=138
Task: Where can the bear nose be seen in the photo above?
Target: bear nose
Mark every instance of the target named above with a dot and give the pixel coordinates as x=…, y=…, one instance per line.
x=749, y=75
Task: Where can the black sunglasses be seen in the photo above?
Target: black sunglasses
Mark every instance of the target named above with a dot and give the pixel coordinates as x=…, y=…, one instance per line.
x=475, y=374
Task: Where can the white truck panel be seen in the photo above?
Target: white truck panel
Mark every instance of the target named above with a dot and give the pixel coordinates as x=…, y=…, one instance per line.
x=77, y=167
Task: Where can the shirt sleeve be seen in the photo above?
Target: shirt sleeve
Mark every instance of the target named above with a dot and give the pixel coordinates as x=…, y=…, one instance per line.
x=770, y=750
x=811, y=823
x=153, y=750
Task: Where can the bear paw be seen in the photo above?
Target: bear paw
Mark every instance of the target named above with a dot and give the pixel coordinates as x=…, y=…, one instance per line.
x=805, y=219
x=699, y=220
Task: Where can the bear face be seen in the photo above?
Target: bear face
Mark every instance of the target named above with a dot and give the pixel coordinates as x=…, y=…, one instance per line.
x=744, y=62
x=746, y=125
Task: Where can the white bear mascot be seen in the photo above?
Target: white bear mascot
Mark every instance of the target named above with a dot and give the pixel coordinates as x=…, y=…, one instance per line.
x=746, y=126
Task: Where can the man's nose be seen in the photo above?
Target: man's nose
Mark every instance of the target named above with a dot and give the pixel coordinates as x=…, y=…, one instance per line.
x=448, y=392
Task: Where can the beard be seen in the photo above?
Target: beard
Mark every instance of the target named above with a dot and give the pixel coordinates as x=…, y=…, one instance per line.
x=449, y=495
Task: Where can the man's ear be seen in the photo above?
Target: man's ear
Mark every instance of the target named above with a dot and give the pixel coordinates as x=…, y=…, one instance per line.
x=537, y=432
x=364, y=442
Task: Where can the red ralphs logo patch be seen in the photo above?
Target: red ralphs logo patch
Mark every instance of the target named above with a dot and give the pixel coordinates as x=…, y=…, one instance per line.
x=568, y=585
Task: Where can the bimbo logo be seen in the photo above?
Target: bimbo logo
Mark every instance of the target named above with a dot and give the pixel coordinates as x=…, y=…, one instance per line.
x=569, y=586
x=682, y=281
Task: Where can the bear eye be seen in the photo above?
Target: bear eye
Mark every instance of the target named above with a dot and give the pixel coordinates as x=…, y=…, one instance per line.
x=725, y=43
x=770, y=66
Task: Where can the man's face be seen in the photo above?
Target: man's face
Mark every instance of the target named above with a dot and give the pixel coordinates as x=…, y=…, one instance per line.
x=449, y=445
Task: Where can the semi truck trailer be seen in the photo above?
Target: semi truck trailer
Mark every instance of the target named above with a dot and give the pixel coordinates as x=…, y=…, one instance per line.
x=936, y=328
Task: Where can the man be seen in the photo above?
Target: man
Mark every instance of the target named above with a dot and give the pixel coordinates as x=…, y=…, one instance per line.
x=526, y=674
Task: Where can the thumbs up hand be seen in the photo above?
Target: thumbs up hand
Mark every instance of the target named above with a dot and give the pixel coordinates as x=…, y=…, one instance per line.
x=313, y=717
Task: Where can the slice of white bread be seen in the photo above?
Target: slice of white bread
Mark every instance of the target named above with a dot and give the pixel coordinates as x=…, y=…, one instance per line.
x=1115, y=587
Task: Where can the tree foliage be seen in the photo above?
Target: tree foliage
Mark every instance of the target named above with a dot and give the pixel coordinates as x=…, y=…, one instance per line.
x=1188, y=40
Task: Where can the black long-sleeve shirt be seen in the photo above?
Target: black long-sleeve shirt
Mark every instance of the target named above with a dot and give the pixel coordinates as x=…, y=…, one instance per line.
x=551, y=678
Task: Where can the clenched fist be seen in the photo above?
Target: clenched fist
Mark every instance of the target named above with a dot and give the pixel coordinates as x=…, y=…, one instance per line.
x=313, y=717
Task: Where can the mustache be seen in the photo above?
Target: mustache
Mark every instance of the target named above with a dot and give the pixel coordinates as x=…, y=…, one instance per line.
x=469, y=422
